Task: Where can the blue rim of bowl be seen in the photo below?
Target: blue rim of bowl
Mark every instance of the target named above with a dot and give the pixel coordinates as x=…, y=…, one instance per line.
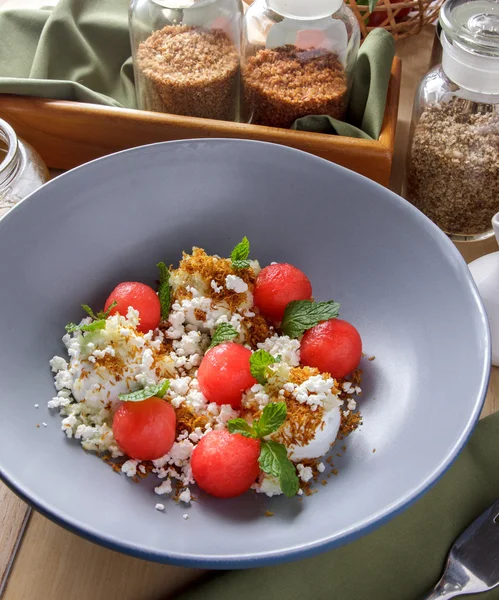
x=319, y=546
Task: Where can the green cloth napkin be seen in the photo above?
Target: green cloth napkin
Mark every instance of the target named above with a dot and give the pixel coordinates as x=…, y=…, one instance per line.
x=399, y=561
x=80, y=51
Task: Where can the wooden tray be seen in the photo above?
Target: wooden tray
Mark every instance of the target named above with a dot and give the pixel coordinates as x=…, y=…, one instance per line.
x=68, y=134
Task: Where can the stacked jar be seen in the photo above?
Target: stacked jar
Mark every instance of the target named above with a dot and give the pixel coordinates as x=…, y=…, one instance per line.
x=453, y=161
x=22, y=171
x=297, y=60
x=186, y=56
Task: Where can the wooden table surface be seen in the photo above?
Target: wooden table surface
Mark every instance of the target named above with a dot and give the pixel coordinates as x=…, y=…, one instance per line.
x=51, y=563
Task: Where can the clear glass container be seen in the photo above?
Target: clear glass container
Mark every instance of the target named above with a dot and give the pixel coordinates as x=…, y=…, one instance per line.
x=186, y=56
x=453, y=159
x=22, y=171
x=298, y=59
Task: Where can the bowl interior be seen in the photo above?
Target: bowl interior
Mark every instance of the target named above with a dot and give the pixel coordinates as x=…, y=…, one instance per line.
x=399, y=280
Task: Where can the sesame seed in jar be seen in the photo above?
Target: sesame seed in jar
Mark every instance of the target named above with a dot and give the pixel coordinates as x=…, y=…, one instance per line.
x=286, y=83
x=188, y=71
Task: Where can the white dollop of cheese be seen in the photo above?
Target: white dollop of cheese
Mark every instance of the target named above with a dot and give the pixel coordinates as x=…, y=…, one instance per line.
x=321, y=442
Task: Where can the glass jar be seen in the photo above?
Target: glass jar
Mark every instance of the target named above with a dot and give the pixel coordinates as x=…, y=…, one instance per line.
x=453, y=160
x=297, y=59
x=186, y=56
x=22, y=171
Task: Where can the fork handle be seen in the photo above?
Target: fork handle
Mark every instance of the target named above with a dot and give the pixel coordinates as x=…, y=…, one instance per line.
x=443, y=591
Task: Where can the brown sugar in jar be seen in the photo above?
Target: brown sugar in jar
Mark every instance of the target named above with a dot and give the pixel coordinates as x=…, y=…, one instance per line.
x=189, y=71
x=286, y=83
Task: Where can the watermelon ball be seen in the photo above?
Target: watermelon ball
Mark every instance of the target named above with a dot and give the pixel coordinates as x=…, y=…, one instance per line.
x=224, y=374
x=333, y=347
x=278, y=285
x=142, y=298
x=224, y=464
x=145, y=430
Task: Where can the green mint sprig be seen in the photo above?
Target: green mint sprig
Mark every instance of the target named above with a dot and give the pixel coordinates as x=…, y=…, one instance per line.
x=301, y=315
x=102, y=314
x=93, y=326
x=274, y=461
x=240, y=254
x=259, y=363
x=273, y=457
x=225, y=332
x=164, y=291
x=158, y=390
x=99, y=321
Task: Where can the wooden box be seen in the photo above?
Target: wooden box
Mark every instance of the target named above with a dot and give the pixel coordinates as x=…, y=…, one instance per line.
x=68, y=134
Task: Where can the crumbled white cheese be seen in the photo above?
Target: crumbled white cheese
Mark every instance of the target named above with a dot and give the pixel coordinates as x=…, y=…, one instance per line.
x=315, y=391
x=267, y=485
x=185, y=517
x=235, y=283
x=321, y=467
x=283, y=346
x=130, y=467
x=185, y=496
x=164, y=488
x=304, y=473
x=216, y=288
x=58, y=364
x=160, y=507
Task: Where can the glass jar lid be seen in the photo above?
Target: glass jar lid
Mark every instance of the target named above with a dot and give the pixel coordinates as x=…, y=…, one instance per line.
x=311, y=9
x=470, y=42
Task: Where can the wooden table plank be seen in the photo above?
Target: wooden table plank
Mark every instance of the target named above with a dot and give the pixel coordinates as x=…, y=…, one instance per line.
x=14, y=515
x=56, y=564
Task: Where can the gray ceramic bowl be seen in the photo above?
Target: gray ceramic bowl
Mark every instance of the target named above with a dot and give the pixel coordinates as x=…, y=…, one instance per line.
x=399, y=279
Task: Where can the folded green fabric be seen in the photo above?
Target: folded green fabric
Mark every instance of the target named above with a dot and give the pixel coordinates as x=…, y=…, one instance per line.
x=80, y=51
x=399, y=561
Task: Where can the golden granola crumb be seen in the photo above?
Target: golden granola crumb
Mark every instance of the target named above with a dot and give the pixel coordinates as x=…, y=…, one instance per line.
x=374, y=450
x=334, y=471
x=324, y=482
x=37, y=425
x=114, y=364
x=199, y=314
x=269, y=513
x=371, y=358
x=188, y=421
x=300, y=425
x=299, y=375
x=257, y=329
x=211, y=268
x=349, y=423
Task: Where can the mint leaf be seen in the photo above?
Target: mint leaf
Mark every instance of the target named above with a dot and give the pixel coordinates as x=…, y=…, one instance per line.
x=158, y=390
x=273, y=416
x=101, y=314
x=301, y=315
x=240, y=254
x=94, y=326
x=164, y=291
x=89, y=311
x=274, y=461
x=241, y=426
x=105, y=314
x=223, y=333
x=259, y=362
x=289, y=479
